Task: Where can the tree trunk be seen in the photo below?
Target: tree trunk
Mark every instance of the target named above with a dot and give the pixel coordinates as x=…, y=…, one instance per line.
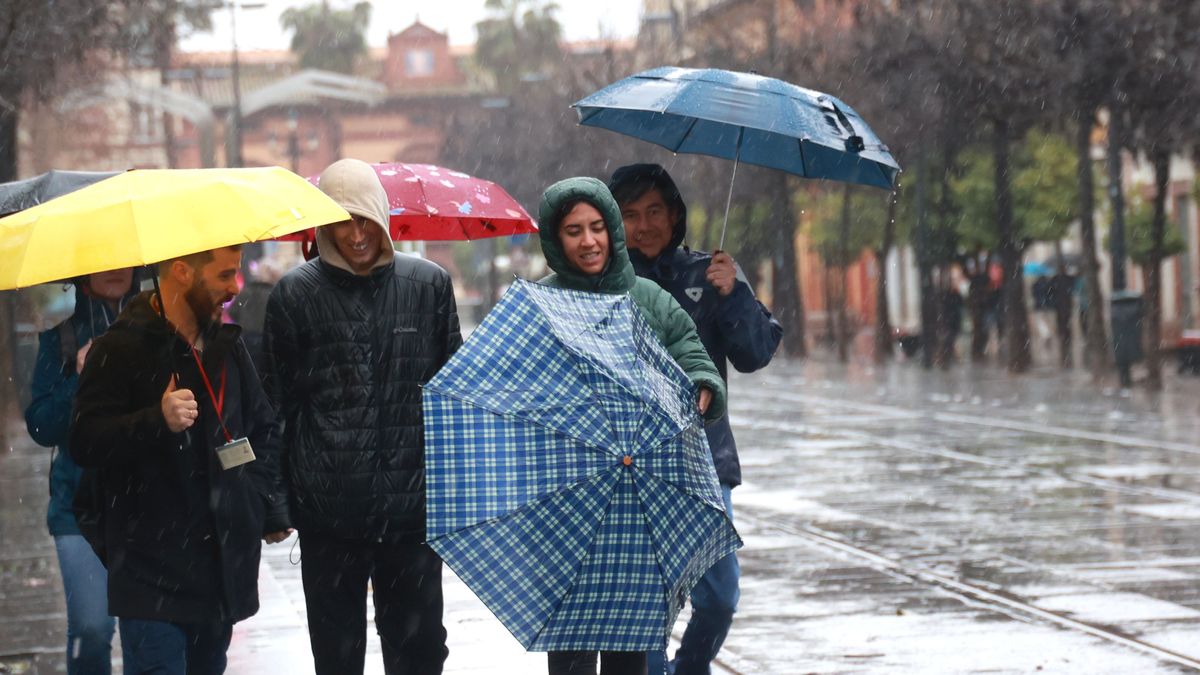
x=883, y=323
x=978, y=297
x=1015, y=315
x=924, y=264
x=1063, y=289
x=1153, y=271
x=788, y=301
x=8, y=139
x=164, y=36
x=1092, y=324
x=829, y=339
x=843, y=328
x=1116, y=193
x=8, y=172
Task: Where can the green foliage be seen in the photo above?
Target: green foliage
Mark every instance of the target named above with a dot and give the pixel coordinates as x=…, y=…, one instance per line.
x=750, y=227
x=1045, y=191
x=838, y=244
x=519, y=41
x=328, y=39
x=1139, y=229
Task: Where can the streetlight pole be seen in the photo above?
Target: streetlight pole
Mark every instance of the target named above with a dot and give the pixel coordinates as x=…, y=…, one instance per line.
x=293, y=140
x=234, y=158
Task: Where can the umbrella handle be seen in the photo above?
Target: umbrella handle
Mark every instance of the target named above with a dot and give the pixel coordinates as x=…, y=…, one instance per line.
x=737, y=154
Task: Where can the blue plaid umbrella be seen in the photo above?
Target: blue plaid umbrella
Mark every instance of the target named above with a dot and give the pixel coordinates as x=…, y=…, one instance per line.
x=744, y=117
x=569, y=481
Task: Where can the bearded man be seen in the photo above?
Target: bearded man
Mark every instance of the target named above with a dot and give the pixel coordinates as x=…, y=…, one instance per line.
x=179, y=447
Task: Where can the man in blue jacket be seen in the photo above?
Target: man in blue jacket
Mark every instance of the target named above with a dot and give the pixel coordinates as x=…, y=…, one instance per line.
x=735, y=328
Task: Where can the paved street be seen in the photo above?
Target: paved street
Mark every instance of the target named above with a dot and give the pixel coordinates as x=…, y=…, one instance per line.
x=895, y=521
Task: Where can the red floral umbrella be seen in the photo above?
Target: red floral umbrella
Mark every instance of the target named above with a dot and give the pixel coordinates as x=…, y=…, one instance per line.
x=431, y=203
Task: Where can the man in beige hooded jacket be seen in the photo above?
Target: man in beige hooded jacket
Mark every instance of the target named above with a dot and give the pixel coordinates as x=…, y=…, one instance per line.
x=349, y=338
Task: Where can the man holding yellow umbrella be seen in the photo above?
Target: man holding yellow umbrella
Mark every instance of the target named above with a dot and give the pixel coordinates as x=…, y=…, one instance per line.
x=176, y=436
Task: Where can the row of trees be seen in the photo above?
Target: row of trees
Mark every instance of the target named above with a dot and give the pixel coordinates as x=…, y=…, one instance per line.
x=977, y=99
x=995, y=72
x=990, y=105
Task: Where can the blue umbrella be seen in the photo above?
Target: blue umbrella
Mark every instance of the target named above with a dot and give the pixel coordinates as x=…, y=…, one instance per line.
x=1037, y=269
x=569, y=481
x=746, y=118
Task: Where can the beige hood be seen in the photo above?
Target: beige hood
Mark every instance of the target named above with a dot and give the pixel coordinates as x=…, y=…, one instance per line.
x=353, y=184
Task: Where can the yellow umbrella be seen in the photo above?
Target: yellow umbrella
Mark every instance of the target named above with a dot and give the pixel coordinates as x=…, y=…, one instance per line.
x=143, y=217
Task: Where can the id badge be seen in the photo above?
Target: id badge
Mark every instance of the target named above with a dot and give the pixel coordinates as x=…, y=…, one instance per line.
x=235, y=453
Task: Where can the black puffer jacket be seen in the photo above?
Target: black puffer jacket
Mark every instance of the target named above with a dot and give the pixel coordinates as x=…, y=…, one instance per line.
x=346, y=358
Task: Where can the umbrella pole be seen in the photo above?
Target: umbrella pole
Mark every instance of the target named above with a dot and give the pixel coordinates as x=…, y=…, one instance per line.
x=736, y=156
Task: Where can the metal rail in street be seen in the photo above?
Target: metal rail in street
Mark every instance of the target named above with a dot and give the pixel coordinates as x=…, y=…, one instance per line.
x=1017, y=609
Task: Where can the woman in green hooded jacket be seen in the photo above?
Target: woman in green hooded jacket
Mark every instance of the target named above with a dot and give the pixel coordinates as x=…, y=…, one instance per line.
x=583, y=240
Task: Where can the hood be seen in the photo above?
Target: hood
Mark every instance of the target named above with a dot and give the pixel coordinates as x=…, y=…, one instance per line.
x=95, y=314
x=618, y=275
x=631, y=181
x=354, y=185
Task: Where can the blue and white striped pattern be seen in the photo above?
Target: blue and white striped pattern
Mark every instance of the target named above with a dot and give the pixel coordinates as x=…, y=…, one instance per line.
x=529, y=500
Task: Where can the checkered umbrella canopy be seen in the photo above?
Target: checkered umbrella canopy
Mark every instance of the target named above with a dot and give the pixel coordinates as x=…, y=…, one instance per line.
x=569, y=482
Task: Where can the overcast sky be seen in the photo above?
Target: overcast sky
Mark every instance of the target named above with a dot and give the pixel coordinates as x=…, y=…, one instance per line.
x=259, y=28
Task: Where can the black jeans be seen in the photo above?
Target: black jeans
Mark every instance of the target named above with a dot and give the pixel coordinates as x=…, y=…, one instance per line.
x=407, y=578
x=584, y=663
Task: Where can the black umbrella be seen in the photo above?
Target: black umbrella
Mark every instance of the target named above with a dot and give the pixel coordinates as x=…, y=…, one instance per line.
x=23, y=194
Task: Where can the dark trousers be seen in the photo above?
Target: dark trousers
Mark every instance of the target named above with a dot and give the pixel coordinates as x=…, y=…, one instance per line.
x=162, y=648
x=407, y=579
x=584, y=663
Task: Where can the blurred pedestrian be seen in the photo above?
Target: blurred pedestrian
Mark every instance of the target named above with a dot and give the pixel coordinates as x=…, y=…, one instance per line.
x=62, y=351
x=178, y=443
x=584, y=243
x=978, y=297
x=1062, y=290
x=951, y=314
x=350, y=337
x=734, y=328
x=249, y=309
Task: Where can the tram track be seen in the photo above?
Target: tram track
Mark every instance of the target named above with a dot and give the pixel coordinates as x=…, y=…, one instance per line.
x=830, y=544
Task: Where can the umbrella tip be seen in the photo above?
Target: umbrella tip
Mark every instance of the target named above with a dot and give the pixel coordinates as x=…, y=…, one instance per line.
x=627, y=460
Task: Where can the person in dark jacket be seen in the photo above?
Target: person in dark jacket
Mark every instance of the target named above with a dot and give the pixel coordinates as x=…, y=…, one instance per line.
x=62, y=350
x=583, y=240
x=176, y=508
x=349, y=339
x=735, y=328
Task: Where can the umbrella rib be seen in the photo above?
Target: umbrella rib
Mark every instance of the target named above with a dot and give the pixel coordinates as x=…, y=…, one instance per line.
x=686, y=134
x=517, y=415
x=590, y=553
x=803, y=158
x=528, y=505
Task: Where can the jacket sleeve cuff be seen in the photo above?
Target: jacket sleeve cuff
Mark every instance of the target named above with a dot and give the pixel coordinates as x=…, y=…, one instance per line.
x=277, y=518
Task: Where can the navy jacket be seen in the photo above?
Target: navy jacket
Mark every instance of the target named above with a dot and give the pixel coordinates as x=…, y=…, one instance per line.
x=735, y=329
x=49, y=413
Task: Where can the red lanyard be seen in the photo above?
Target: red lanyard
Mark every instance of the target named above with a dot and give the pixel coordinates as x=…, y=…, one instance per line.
x=218, y=401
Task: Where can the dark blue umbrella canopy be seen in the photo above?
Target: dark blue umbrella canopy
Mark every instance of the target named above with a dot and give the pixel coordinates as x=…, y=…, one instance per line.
x=23, y=194
x=744, y=117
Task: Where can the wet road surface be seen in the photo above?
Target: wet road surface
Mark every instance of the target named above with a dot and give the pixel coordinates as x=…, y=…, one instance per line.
x=895, y=520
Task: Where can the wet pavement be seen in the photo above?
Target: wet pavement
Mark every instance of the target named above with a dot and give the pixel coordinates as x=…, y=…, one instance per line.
x=895, y=520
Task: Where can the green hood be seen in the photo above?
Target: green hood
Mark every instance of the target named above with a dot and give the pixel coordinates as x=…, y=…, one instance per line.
x=618, y=275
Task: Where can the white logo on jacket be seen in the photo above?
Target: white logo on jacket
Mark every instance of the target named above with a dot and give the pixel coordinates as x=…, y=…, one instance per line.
x=694, y=293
